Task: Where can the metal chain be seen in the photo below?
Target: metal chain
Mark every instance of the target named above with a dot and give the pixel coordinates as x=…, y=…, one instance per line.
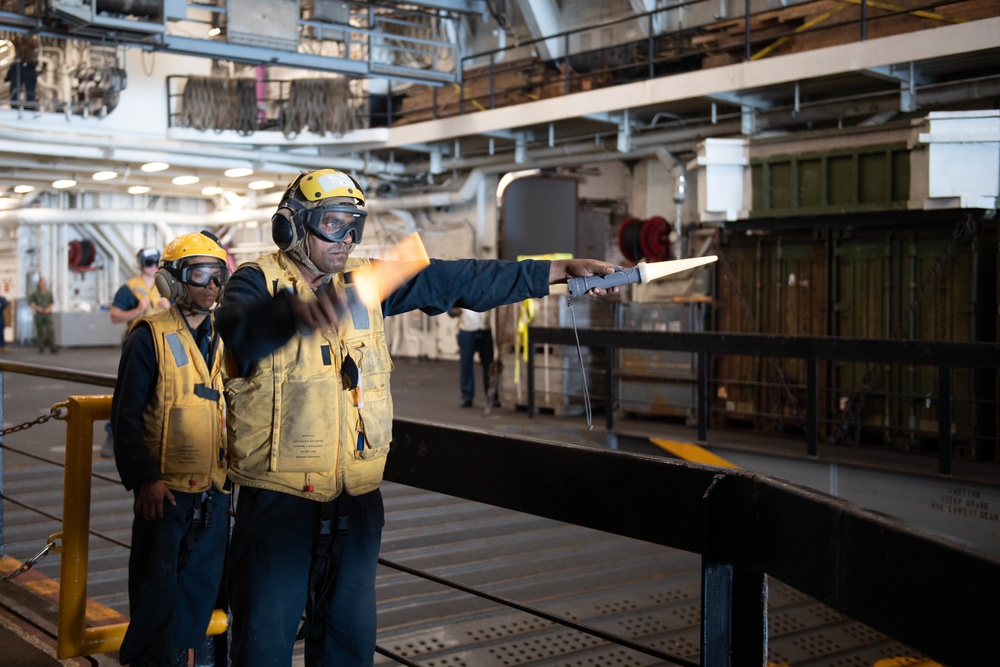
x=58, y=412
x=28, y=564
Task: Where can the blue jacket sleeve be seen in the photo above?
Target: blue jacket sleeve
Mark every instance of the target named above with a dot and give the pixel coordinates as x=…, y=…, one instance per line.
x=475, y=284
x=251, y=322
x=124, y=299
x=137, y=376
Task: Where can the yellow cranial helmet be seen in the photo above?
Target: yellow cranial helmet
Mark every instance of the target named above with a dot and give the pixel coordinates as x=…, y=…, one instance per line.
x=322, y=184
x=192, y=259
x=200, y=244
x=327, y=203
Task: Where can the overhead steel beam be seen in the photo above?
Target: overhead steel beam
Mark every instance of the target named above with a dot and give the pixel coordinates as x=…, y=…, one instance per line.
x=460, y=6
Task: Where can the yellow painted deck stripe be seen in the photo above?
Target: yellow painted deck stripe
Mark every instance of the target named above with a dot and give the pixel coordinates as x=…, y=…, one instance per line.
x=96, y=613
x=688, y=452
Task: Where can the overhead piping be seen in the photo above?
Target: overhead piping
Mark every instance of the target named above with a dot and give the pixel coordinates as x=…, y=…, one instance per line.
x=160, y=219
x=108, y=147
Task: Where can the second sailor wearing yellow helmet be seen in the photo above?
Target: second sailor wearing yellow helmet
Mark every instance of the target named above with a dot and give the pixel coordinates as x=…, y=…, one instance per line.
x=167, y=419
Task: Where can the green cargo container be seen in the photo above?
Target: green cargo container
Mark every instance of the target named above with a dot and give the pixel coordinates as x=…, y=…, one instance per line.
x=870, y=178
x=890, y=283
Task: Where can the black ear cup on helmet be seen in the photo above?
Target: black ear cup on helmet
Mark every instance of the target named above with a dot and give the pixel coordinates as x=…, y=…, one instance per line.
x=167, y=285
x=286, y=229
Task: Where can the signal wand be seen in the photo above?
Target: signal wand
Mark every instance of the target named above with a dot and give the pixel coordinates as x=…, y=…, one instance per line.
x=640, y=273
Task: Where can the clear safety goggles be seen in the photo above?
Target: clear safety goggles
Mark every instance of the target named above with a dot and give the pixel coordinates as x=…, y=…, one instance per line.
x=200, y=275
x=336, y=223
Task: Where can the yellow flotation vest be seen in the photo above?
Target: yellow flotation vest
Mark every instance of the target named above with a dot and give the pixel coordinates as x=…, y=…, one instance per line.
x=142, y=291
x=183, y=422
x=315, y=417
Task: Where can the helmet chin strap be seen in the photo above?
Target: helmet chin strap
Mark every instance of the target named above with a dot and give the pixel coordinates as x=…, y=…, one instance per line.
x=301, y=253
x=185, y=303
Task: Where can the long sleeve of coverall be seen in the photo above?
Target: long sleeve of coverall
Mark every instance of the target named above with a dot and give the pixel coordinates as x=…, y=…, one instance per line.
x=253, y=325
x=137, y=373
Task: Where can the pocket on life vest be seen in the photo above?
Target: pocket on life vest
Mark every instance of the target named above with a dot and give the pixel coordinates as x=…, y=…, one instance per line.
x=192, y=439
x=306, y=430
x=248, y=422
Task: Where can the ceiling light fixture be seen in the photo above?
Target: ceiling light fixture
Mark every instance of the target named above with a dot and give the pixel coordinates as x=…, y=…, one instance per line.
x=185, y=180
x=211, y=190
x=261, y=185
x=214, y=32
x=24, y=189
x=138, y=189
x=238, y=172
x=63, y=183
x=150, y=167
x=105, y=175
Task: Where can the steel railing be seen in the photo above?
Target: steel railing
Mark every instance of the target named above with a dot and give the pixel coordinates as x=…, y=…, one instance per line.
x=814, y=350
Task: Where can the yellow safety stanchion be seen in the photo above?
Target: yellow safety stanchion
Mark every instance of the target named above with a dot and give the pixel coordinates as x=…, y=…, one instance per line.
x=526, y=314
x=75, y=639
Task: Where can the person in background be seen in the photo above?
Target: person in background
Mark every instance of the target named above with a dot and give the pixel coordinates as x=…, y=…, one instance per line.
x=3, y=323
x=167, y=414
x=309, y=413
x=474, y=337
x=43, y=303
x=136, y=297
x=23, y=72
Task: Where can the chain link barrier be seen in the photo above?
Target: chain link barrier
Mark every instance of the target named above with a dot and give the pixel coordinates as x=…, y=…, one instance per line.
x=58, y=411
x=30, y=563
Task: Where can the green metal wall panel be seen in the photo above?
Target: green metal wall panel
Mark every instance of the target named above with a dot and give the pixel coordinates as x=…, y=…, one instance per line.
x=871, y=178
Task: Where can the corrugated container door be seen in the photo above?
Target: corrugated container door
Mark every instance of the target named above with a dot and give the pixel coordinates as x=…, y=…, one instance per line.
x=738, y=304
x=904, y=285
x=861, y=307
x=795, y=305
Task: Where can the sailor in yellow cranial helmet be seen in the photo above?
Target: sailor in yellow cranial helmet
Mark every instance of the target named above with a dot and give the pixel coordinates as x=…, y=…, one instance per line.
x=167, y=422
x=310, y=414
x=327, y=204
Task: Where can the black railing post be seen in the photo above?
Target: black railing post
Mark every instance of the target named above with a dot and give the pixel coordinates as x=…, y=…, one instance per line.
x=493, y=83
x=652, y=45
x=716, y=581
x=701, y=360
x=609, y=387
x=388, y=105
x=531, y=375
x=812, y=407
x=566, y=61
x=944, y=420
x=864, y=20
x=750, y=607
x=746, y=17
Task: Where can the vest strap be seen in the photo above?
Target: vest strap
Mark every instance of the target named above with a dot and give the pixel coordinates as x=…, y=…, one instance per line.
x=201, y=522
x=331, y=534
x=201, y=391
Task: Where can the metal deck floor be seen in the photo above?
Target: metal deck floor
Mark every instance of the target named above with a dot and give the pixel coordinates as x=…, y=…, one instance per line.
x=643, y=591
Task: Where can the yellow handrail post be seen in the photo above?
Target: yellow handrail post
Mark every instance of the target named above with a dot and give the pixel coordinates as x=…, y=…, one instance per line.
x=75, y=639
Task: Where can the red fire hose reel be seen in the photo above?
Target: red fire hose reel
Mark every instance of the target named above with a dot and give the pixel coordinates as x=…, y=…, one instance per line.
x=651, y=239
x=81, y=255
